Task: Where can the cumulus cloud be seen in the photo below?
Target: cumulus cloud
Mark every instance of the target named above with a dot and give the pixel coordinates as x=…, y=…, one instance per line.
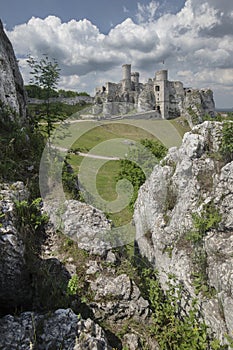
x=195, y=43
x=146, y=13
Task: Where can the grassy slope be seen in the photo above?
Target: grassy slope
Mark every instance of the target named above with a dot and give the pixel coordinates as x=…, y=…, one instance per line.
x=169, y=133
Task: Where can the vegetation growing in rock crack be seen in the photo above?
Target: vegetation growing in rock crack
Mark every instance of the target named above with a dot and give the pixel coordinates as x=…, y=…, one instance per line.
x=173, y=327
x=226, y=147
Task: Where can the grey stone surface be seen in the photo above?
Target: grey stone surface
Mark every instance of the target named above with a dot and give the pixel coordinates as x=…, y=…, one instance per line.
x=118, y=298
x=83, y=223
x=189, y=178
x=14, y=277
x=87, y=226
x=62, y=329
x=12, y=93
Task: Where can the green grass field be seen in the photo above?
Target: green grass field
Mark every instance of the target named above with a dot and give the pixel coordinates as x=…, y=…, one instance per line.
x=170, y=133
x=110, y=131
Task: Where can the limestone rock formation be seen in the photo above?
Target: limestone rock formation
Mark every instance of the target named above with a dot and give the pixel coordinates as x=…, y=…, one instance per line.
x=14, y=276
x=12, y=94
x=197, y=104
x=81, y=222
x=62, y=329
x=118, y=298
x=184, y=223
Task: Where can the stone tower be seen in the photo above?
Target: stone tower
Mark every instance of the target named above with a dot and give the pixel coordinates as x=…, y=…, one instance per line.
x=135, y=81
x=161, y=90
x=126, y=81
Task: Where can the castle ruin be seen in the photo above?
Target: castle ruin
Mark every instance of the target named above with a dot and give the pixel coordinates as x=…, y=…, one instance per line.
x=167, y=99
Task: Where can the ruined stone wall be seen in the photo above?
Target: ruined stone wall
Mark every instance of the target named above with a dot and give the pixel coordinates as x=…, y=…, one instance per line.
x=169, y=98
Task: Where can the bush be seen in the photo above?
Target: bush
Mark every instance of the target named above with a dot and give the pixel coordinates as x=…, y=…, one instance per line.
x=173, y=327
x=72, y=286
x=30, y=213
x=226, y=147
x=156, y=148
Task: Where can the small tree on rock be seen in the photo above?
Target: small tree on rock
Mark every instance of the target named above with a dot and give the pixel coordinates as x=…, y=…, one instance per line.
x=46, y=74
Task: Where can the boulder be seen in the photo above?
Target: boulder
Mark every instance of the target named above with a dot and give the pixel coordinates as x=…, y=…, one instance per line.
x=118, y=298
x=83, y=223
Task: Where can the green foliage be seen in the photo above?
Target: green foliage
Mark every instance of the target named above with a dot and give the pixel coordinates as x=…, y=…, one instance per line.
x=59, y=110
x=46, y=75
x=229, y=339
x=70, y=181
x=226, y=147
x=208, y=219
x=173, y=328
x=140, y=163
x=30, y=213
x=69, y=93
x=133, y=173
x=156, y=148
x=219, y=117
x=38, y=92
x=72, y=286
x=21, y=149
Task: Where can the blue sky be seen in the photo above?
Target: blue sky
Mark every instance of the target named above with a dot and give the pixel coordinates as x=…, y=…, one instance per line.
x=92, y=39
x=103, y=13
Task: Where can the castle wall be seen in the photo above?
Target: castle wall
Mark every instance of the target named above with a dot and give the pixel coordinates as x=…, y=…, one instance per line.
x=167, y=98
x=135, y=81
x=176, y=99
x=111, y=88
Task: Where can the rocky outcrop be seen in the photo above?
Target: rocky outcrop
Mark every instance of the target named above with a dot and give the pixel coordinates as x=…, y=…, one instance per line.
x=118, y=298
x=197, y=104
x=146, y=101
x=24, y=279
x=86, y=225
x=184, y=223
x=12, y=94
x=14, y=275
x=83, y=223
x=62, y=329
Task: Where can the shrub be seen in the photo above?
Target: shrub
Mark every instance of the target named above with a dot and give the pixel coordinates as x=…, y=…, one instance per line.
x=30, y=213
x=226, y=147
x=72, y=286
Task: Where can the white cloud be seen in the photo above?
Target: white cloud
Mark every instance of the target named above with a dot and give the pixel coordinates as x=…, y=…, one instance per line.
x=125, y=10
x=146, y=13
x=196, y=44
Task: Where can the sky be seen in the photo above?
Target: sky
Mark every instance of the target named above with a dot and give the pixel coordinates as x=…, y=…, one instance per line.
x=91, y=40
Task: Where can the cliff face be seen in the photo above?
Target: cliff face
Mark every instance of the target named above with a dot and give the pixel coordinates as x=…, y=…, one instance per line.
x=197, y=104
x=12, y=94
x=184, y=223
